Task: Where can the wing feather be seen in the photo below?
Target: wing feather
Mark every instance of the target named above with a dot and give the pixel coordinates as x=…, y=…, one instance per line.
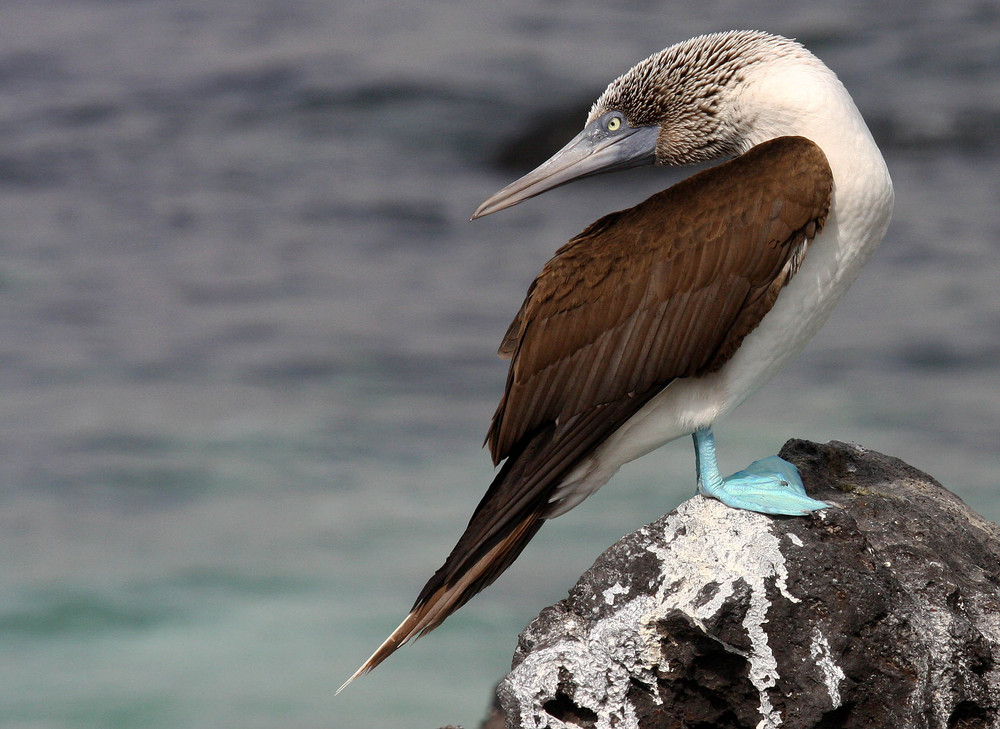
x=666, y=289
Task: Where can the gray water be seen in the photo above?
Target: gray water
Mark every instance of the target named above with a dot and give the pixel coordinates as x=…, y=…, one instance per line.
x=247, y=331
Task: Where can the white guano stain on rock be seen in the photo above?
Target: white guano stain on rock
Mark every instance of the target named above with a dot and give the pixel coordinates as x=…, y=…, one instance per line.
x=820, y=652
x=595, y=661
x=750, y=552
x=611, y=592
x=623, y=647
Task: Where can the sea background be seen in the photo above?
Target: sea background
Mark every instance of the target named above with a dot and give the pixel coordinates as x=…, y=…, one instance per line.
x=247, y=331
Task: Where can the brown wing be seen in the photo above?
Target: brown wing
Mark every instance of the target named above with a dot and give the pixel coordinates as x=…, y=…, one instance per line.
x=666, y=289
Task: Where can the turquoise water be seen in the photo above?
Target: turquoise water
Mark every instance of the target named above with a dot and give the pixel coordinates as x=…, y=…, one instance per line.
x=247, y=332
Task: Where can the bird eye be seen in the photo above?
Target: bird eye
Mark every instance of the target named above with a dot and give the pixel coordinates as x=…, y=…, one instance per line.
x=614, y=123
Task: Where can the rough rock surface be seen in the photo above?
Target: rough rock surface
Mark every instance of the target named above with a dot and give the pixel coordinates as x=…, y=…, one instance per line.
x=882, y=613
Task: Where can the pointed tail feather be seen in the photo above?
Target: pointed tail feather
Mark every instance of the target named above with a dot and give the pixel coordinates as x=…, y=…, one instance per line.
x=445, y=597
x=511, y=512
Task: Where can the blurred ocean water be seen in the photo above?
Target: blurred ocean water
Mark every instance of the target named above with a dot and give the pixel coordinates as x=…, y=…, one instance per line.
x=247, y=331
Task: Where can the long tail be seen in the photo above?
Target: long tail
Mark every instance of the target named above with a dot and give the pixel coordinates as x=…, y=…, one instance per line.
x=506, y=519
x=430, y=611
x=513, y=510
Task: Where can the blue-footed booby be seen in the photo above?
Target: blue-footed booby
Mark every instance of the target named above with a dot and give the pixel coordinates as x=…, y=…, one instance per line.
x=658, y=320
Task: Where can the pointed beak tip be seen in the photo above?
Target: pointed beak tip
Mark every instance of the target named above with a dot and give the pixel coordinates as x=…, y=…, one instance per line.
x=484, y=209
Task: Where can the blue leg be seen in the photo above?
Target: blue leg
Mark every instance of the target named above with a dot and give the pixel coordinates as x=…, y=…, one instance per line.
x=769, y=486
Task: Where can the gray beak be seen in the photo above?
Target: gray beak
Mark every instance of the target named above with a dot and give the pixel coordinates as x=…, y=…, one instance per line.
x=592, y=151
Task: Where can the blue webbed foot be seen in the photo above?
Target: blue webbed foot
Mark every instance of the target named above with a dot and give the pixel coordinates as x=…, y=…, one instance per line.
x=768, y=486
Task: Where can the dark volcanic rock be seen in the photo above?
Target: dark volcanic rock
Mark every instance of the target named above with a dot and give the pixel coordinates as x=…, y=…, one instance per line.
x=882, y=613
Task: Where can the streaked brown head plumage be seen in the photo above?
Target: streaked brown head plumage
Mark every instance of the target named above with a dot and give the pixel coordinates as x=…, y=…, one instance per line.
x=684, y=89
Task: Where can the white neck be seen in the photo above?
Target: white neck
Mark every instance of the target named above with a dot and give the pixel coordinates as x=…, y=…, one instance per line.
x=801, y=96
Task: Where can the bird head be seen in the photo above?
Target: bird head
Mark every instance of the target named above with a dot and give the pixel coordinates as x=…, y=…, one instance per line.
x=678, y=106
